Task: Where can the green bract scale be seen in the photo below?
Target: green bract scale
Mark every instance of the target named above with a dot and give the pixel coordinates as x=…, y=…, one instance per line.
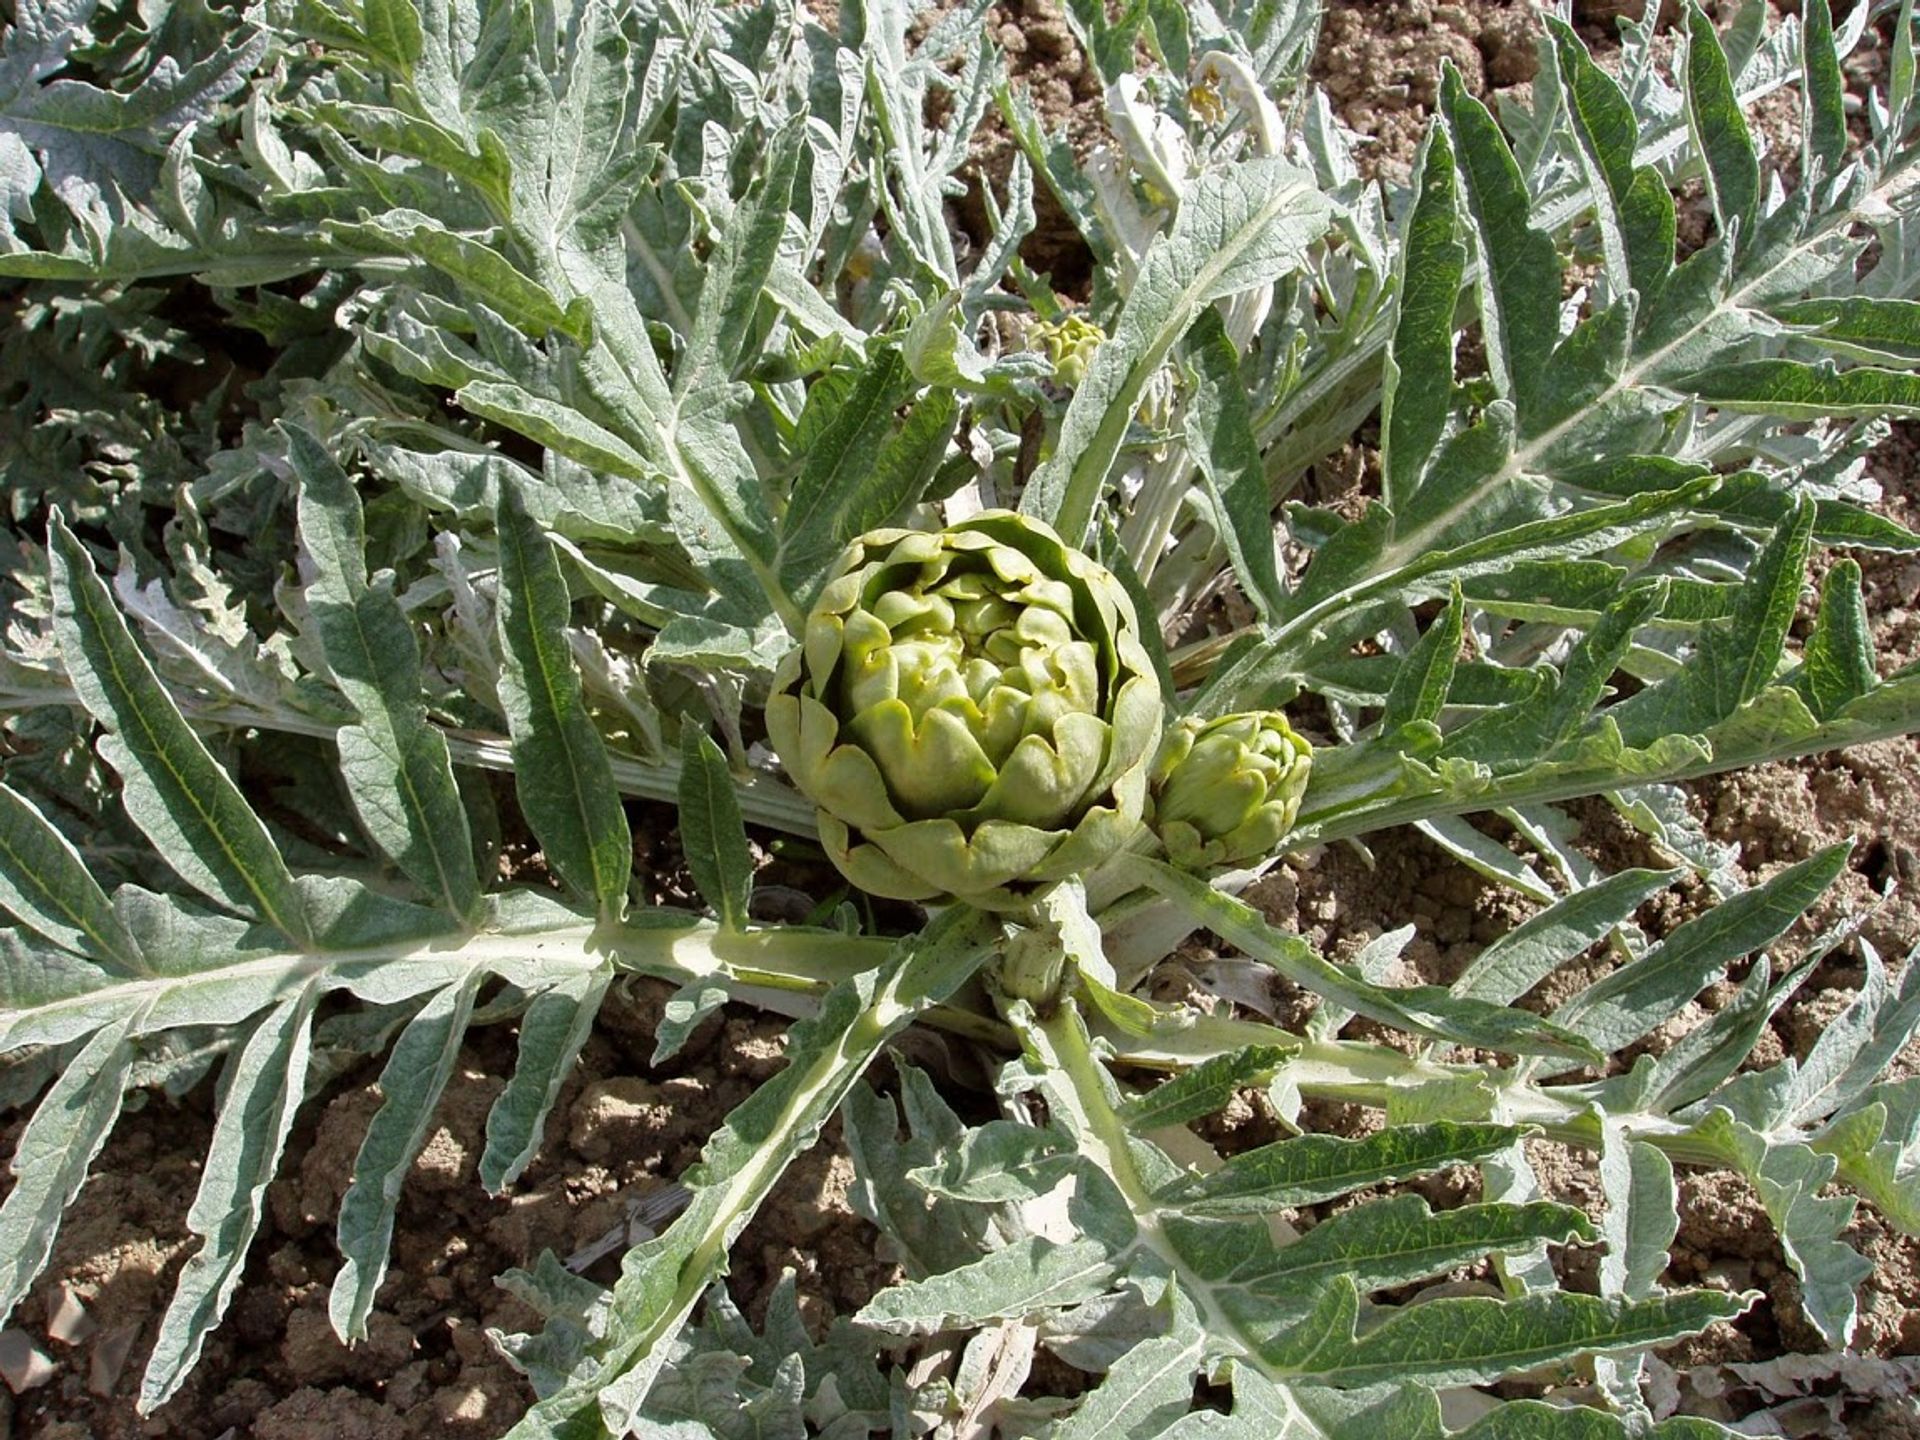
x=1227, y=790
x=971, y=710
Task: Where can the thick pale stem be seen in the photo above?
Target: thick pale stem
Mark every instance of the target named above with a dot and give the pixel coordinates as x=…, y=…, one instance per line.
x=782, y=969
x=1144, y=535
x=1356, y=1072
x=1104, y=1136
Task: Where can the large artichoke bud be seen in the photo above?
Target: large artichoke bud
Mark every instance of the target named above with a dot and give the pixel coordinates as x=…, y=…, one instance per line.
x=1227, y=790
x=971, y=710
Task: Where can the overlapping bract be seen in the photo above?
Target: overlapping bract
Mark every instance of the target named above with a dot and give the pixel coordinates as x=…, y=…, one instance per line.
x=971, y=710
x=1227, y=790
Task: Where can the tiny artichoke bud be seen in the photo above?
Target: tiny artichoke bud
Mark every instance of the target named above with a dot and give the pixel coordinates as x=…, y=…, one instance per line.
x=1226, y=791
x=971, y=711
x=1069, y=344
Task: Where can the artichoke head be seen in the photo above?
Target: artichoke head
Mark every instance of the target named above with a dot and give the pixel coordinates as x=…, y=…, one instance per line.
x=1069, y=343
x=1227, y=790
x=972, y=712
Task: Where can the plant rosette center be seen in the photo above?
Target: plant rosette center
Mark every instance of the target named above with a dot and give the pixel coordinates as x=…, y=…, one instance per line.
x=972, y=712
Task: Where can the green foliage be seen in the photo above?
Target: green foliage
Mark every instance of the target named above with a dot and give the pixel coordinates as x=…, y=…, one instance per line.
x=538, y=364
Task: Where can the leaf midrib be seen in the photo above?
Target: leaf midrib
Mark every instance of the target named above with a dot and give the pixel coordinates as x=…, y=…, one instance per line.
x=163, y=752
x=390, y=706
x=551, y=690
x=109, y=948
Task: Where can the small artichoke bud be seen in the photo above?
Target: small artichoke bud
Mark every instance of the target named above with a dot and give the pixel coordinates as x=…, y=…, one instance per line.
x=972, y=712
x=1069, y=344
x=1226, y=791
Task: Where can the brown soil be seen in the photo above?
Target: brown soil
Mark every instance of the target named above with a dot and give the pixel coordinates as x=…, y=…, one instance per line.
x=621, y=1130
x=275, y=1370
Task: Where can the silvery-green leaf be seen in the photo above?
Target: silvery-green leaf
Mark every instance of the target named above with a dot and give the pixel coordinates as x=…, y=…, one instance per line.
x=1878, y=1146
x=1872, y=328
x=1421, y=1009
x=1520, y=271
x=411, y=1084
x=1486, y=856
x=1547, y=721
x=712, y=836
x=1331, y=607
x=1719, y=127
x=1794, y=390
x=1565, y=930
x=474, y=264
x=1638, y=1228
x=561, y=772
x=1397, y=1239
x=1221, y=437
x=44, y=882
x=926, y=1238
x=1149, y=1388
x=1838, y=666
x=1731, y=665
x=1641, y=1218
x=264, y=1085
x=1094, y=1335
x=1472, y=1340
x=175, y=790
x=682, y=1014
x=387, y=128
x=553, y=1029
x=54, y=1152
x=658, y=1288
x=736, y=273
x=1696, y=1064
x=559, y=427
x=998, y=1162
x=395, y=764
x=706, y=1396
x=1204, y=1090
x=1633, y=207
x=568, y=501
x=1307, y=1169
x=1028, y=1276
x=1425, y=677
x=1415, y=1414
x=1416, y=389
x=1859, y=1045
x=1788, y=1176
x=1624, y=1005
x=34, y=977
x=1240, y=226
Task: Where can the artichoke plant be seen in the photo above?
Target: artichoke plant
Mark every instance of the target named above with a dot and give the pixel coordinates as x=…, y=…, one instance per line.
x=971, y=710
x=1227, y=790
